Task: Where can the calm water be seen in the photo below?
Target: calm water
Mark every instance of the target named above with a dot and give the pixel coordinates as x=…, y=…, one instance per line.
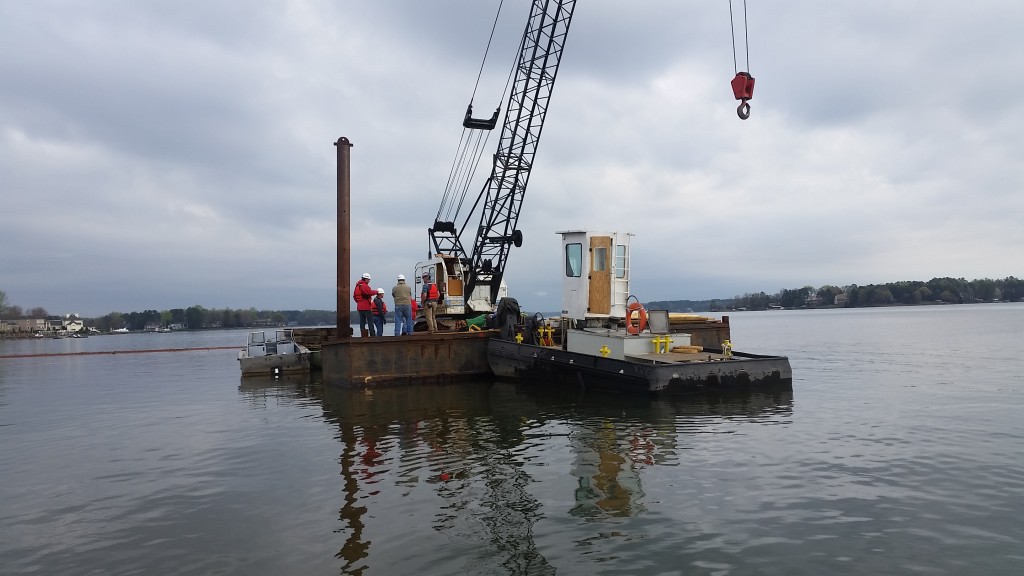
x=899, y=451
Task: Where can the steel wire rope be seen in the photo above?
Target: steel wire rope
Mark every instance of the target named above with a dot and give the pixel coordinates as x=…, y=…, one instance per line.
x=471, y=171
x=746, y=37
x=480, y=151
x=464, y=169
x=517, y=62
x=452, y=188
x=516, y=65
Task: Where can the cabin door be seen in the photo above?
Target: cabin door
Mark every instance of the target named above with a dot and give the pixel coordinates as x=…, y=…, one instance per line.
x=600, y=297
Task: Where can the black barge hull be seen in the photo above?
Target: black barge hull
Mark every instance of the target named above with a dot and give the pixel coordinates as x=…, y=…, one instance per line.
x=649, y=373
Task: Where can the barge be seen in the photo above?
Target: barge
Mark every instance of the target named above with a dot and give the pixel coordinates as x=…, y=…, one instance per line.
x=605, y=339
x=655, y=373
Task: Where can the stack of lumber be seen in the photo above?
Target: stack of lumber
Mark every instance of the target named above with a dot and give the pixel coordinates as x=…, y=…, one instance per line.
x=683, y=318
x=687, y=349
x=703, y=330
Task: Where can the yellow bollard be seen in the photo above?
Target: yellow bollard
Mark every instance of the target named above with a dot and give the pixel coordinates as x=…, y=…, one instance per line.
x=662, y=343
x=605, y=351
x=519, y=337
x=727, y=349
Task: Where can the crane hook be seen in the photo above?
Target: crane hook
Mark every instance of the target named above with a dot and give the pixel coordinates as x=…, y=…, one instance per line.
x=743, y=90
x=743, y=110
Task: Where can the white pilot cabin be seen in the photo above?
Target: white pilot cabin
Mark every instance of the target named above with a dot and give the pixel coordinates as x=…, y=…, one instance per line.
x=595, y=281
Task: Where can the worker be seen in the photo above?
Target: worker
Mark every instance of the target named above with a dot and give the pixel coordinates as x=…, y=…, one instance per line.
x=428, y=299
x=415, y=309
x=363, y=295
x=402, y=295
x=380, y=311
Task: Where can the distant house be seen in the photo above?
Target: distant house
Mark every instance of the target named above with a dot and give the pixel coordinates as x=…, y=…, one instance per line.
x=72, y=323
x=33, y=324
x=841, y=299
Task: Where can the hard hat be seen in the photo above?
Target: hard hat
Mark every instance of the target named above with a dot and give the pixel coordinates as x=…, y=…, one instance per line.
x=401, y=276
x=366, y=275
x=380, y=290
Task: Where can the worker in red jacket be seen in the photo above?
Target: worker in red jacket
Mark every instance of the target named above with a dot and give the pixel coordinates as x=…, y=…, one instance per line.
x=380, y=311
x=363, y=295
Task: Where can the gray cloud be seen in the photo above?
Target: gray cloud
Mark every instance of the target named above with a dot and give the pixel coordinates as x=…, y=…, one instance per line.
x=164, y=154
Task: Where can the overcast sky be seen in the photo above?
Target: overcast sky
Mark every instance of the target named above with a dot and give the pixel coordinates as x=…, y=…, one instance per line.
x=160, y=154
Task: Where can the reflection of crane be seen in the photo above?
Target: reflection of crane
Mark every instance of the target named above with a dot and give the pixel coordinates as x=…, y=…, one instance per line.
x=472, y=281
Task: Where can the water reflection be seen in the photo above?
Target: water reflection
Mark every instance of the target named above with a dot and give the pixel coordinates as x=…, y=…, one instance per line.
x=258, y=389
x=614, y=437
x=478, y=448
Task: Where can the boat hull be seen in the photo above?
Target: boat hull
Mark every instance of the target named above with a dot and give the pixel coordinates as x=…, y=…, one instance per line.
x=664, y=376
x=274, y=363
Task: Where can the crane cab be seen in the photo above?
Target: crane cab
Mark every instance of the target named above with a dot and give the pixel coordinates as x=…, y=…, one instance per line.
x=595, y=280
x=449, y=274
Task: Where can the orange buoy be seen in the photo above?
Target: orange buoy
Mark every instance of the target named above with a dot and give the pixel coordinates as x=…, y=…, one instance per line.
x=641, y=313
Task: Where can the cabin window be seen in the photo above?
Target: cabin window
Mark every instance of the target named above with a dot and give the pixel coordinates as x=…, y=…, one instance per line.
x=620, y=260
x=600, y=263
x=573, y=260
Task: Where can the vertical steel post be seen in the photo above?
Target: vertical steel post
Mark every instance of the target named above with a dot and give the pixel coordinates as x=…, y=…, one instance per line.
x=344, y=328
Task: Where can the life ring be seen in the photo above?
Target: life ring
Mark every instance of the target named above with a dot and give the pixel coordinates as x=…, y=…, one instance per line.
x=641, y=313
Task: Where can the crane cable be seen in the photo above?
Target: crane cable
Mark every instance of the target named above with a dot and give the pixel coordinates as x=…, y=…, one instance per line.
x=488, y=49
x=517, y=63
x=746, y=42
x=743, y=82
x=465, y=164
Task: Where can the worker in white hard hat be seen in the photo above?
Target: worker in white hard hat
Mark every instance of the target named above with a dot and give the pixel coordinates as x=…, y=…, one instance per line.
x=379, y=310
x=402, y=295
x=363, y=295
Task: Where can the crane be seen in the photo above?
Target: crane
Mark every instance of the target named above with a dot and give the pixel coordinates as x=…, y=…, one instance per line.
x=472, y=281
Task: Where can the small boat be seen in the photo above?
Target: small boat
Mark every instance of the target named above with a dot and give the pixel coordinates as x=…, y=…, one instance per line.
x=276, y=354
x=607, y=340
x=119, y=331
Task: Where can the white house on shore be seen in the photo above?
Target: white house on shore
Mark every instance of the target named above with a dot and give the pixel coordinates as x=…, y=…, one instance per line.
x=72, y=323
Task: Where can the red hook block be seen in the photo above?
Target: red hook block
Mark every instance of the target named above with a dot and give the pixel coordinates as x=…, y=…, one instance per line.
x=743, y=86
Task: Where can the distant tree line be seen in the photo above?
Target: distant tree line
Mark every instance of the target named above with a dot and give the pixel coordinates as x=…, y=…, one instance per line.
x=197, y=317
x=937, y=290
x=192, y=318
